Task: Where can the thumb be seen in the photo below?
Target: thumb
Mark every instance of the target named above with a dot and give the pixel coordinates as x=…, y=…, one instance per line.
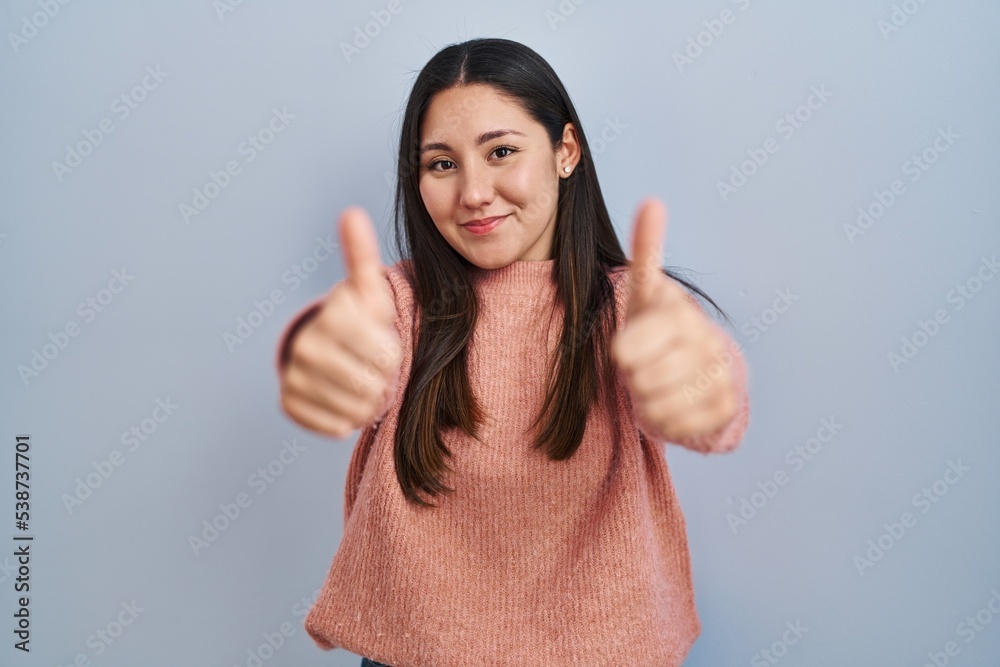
x=648, y=236
x=365, y=271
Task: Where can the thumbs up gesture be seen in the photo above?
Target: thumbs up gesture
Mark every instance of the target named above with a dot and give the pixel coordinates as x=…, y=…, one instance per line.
x=344, y=363
x=666, y=341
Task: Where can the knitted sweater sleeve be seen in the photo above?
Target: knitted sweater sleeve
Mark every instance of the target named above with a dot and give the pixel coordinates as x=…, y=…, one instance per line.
x=306, y=313
x=726, y=437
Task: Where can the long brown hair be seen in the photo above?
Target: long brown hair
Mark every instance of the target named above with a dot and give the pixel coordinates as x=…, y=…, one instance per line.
x=585, y=248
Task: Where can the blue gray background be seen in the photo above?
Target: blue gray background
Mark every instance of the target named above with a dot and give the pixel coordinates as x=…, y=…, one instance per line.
x=684, y=95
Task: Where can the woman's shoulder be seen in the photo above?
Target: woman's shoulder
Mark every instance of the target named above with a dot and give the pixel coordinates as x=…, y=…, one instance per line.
x=618, y=273
x=399, y=276
x=619, y=276
x=402, y=267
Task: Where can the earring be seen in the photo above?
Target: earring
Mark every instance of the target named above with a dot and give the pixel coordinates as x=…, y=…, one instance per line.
x=566, y=169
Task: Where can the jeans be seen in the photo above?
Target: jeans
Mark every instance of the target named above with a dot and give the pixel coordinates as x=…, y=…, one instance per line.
x=365, y=662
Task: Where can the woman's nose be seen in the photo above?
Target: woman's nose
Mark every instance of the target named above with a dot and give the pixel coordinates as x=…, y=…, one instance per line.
x=477, y=187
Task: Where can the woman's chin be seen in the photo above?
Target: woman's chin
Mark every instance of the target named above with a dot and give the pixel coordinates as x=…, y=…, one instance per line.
x=490, y=260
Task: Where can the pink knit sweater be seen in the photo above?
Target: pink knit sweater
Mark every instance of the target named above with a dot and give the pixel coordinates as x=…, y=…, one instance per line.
x=582, y=562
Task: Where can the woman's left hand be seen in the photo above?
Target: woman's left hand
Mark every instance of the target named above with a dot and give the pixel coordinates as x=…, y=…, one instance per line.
x=667, y=344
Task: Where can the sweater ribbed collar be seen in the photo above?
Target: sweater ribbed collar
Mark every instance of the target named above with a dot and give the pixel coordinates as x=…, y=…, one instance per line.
x=522, y=277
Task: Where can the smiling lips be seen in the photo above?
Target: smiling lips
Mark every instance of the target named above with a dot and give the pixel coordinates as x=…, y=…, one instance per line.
x=484, y=225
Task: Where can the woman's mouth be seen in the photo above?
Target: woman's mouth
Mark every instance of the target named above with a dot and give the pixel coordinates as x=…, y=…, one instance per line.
x=484, y=226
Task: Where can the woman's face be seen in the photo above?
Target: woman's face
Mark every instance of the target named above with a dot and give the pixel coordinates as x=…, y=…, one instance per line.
x=482, y=156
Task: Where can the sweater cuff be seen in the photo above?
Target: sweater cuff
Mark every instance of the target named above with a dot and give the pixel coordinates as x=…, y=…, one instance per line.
x=283, y=350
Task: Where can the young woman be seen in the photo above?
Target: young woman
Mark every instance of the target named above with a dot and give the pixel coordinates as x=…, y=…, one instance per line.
x=515, y=379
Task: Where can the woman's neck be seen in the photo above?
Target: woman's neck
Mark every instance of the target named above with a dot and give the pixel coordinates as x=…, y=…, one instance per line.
x=519, y=277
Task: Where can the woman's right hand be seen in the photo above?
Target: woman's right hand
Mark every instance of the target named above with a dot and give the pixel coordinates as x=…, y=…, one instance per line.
x=344, y=362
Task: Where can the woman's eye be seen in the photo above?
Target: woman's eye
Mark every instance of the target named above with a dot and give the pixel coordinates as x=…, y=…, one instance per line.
x=433, y=165
x=511, y=150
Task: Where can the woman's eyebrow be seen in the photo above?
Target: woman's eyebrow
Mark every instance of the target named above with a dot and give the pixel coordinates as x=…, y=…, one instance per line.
x=483, y=138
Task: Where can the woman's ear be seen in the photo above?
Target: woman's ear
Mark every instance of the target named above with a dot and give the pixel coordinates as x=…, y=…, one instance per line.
x=568, y=154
